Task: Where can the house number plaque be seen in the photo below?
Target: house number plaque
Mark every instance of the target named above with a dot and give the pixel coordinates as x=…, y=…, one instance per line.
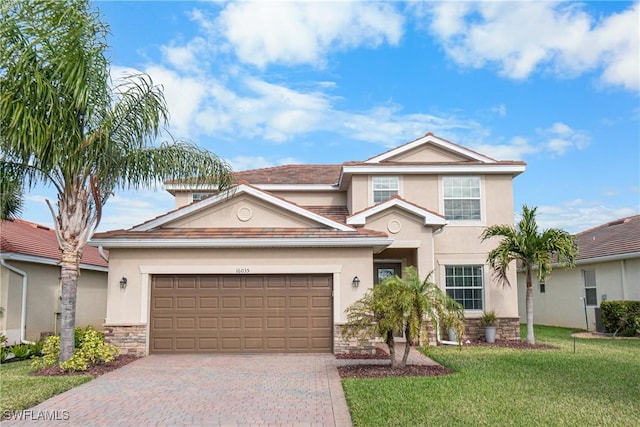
x=242, y=270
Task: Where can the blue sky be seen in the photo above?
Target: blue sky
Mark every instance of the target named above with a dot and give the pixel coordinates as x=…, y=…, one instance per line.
x=555, y=84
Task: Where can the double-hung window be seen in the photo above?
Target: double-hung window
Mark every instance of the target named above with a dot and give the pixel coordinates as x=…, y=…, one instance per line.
x=461, y=198
x=590, y=290
x=384, y=187
x=463, y=283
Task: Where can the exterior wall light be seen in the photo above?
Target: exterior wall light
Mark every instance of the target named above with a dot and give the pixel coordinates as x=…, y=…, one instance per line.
x=123, y=283
x=355, y=282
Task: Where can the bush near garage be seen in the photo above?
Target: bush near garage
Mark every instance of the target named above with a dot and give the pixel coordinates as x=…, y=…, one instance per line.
x=90, y=351
x=621, y=317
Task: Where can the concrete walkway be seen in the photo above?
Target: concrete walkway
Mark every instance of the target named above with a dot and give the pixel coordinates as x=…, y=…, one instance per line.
x=194, y=389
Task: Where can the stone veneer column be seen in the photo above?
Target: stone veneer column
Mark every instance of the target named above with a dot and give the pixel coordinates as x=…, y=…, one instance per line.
x=130, y=339
x=352, y=345
x=508, y=329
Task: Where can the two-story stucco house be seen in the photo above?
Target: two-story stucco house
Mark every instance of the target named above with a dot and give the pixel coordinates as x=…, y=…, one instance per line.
x=272, y=264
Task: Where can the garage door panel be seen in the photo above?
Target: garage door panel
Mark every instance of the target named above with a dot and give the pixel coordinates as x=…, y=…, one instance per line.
x=185, y=323
x=186, y=302
x=254, y=302
x=270, y=313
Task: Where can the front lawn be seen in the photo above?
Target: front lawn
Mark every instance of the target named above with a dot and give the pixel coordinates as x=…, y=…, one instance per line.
x=599, y=384
x=19, y=390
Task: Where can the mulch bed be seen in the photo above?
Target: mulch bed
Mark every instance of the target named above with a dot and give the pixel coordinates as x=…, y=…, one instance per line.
x=379, y=354
x=386, y=371
x=94, y=371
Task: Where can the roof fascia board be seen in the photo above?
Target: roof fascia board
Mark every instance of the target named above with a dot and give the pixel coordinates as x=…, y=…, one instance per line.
x=436, y=141
x=434, y=169
x=243, y=243
x=48, y=261
x=429, y=218
x=242, y=188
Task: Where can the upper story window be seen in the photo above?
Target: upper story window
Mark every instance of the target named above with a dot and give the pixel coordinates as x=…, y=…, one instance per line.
x=384, y=187
x=461, y=198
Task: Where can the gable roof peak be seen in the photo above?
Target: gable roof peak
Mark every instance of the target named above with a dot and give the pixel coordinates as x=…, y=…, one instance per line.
x=430, y=138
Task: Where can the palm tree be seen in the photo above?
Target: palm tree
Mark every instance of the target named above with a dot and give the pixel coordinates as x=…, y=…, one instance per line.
x=532, y=249
x=67, y=127
x=11, y=192
x=399, y=304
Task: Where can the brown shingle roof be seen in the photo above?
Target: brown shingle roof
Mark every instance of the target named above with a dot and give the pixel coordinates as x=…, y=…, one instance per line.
x=292, y=174
x=613, y=238
x=238, y=233
x=27, y=238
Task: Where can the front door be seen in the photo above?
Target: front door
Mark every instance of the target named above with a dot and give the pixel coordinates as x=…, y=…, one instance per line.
x=383, y=270
x=387, y=269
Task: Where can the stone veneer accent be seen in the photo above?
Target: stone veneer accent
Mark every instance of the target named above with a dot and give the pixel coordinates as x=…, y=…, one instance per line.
x=508, y=329
x=353, y=345
x=130, y=339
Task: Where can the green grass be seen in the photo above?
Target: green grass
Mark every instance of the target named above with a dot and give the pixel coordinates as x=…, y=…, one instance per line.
x=19, y=390
x=599, y=385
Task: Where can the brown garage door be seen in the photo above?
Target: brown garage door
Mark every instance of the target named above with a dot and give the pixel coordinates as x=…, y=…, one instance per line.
x=241, y=313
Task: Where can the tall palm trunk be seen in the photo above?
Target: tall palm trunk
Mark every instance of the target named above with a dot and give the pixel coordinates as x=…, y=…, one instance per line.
x=73, y=226
x=529, y=304
x=70, y=273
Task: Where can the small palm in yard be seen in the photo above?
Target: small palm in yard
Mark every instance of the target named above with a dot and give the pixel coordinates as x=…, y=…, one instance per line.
x=399, y=304
x=533, y=249
x=63, y=124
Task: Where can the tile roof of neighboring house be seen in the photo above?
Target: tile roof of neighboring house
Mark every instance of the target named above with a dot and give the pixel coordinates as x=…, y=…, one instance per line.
x=617, y=237
x=292, y=174
x=238, y=233
x=27, y=238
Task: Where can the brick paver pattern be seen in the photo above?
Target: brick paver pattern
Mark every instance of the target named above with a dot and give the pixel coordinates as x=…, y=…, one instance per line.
x=209, y=389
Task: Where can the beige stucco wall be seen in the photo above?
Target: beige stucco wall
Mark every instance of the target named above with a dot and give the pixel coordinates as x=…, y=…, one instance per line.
x=561, y=304
x=427, y=154
x=131, y=305
x=225, y=214
x=43, y=299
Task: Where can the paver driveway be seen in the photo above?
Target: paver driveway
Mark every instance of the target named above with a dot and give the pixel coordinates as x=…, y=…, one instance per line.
x=196, y=389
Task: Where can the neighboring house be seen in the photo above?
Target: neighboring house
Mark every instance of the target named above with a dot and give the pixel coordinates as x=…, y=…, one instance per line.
x=30, y=283
x=607, y=268
x=272, y=264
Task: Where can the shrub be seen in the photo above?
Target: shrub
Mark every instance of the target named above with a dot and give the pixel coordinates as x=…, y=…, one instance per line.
x=20, y=351
x=621, y=317
x=50, y=353
x=91, y=350
x=36, y=348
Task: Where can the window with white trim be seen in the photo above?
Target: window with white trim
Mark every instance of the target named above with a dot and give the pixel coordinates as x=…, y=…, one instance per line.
x=384, y=187
x=461, y=198
x=590, y=289
x=464, y=284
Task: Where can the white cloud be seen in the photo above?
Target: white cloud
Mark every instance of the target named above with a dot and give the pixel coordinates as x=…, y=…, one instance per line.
x=521, y=38
x=561, y=138
x=241, y=163
x=128, y=208
x=517, y=149
x=579, y=215
x=292, y=33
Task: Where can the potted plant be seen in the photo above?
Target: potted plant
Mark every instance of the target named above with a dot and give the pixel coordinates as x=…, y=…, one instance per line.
x=453, y=323
x=489, y=320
